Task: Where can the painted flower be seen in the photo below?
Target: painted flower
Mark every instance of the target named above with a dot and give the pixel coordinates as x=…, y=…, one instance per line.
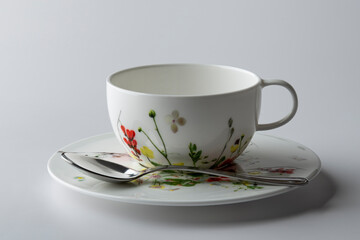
x=236, y=145
x=130, y=141
x=178, y=164
x=279, y=170
x=254, y=173
x=282, y=170
x=233, y=148
x=147, y=152
x=174, y=120
x=157, y=186
x=80, y=179
x=155, y=176
x=245, y=183
x=217, y=179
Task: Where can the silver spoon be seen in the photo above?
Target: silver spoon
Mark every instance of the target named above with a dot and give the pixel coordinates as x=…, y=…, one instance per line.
x=113, y=172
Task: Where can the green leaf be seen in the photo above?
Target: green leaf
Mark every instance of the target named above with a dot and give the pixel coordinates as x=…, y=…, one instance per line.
x=238, y=183
x=189, y=184
x=182, y=182
x=194, y=174
x=197, y=155
x=155, y=163
x=168, y=171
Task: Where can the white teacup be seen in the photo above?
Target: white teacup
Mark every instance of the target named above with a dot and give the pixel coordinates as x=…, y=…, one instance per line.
x=188, y=114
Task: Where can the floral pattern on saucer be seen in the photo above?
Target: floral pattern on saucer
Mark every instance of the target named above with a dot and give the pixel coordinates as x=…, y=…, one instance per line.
x=172, y=181
x=169, y=180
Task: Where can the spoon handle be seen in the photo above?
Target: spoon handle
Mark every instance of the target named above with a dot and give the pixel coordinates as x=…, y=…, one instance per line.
x=273, y=180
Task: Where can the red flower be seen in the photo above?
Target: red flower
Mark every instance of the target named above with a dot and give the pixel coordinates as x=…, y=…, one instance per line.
x=137, y=151
x=130, y=134
x=130, y=141
x=217, y=179
x=280, y=170
x=283, y=170
x=123, y=129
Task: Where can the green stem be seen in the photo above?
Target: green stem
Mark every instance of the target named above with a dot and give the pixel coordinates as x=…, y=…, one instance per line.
x=161, y=152
x=143, y=165
x=193, y=160
x=242, y=146
x=217, y=161
x=157, y=129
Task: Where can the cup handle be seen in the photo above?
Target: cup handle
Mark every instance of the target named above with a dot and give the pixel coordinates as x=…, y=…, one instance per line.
x=287, y=118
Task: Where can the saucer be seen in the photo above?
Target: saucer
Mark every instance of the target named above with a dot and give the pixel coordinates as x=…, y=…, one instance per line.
x=265, y=155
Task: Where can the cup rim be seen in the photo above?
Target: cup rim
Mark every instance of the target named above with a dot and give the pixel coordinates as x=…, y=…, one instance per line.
x=132, y=92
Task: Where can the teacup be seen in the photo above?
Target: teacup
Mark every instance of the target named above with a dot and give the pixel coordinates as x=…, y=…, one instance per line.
x=188, y=114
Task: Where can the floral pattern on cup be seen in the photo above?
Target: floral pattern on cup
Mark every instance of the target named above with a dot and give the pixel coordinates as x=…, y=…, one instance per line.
x=196, y=155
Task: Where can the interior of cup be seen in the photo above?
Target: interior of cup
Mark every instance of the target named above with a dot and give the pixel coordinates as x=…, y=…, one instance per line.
x=184, y=79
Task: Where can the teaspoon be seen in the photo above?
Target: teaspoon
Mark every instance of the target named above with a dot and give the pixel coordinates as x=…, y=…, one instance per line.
x=114, y=172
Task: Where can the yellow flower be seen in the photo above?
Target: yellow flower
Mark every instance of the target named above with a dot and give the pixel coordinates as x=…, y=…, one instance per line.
x=179, y=164
x=157, y=186
x=246, y=183
x=80, y=178
x=233, y=148
x=147, y=152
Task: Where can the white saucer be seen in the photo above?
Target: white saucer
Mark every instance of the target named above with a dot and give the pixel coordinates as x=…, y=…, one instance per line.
x=265, y=155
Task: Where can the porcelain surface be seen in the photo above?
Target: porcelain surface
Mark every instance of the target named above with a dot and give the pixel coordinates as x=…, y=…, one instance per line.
x=267, y=155
x=188, y=114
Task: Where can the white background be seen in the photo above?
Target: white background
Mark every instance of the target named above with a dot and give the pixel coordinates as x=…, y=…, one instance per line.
x=56, y=55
